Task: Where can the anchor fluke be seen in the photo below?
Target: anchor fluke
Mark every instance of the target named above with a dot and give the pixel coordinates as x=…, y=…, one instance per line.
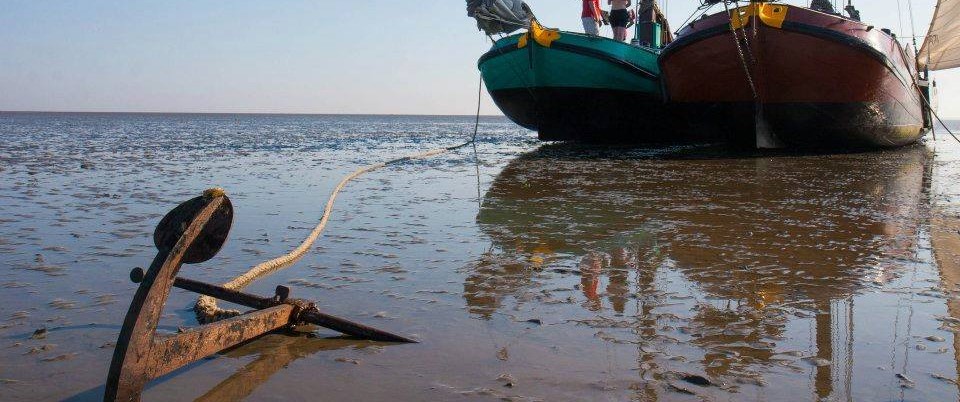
x=212, y=236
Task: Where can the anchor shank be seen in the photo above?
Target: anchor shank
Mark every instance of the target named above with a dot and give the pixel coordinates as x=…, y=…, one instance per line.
x=310, y=316
x=228, y=295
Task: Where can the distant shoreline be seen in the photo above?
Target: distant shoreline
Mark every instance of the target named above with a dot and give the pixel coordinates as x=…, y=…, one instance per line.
x=246, y=113
x=949, y=119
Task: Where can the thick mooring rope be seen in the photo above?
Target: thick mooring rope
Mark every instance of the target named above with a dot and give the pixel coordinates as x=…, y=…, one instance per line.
x=206, y=307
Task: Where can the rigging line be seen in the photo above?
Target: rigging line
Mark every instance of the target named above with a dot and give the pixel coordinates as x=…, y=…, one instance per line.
x=913, y=25
x=944, y=125
x=476, y=124
x=900, y=16
x=473, y=140
x=702, y=10
x=476, y=164
x=513, y=68
x=497, y=19
x=934, y=113
x=933, y=127
x=476, y=155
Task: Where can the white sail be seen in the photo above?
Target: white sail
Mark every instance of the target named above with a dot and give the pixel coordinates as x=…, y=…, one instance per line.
x=941, y=48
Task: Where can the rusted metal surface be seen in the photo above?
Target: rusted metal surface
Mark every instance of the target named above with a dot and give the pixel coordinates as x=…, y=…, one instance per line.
x=212, y=235
x=132, y=356
x=194, y=232
x=314, y=316
x=222, y=293
x=174, y=351
x=309, y=315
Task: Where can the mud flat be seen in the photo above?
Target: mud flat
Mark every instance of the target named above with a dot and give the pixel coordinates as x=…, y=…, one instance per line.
x=568, y=273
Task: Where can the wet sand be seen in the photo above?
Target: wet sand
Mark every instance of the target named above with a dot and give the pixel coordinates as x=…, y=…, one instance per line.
x=693, y=273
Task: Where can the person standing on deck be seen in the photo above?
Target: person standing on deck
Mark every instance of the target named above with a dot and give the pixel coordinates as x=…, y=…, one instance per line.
x=823, y=6
x=619, y=18
x=592, y=17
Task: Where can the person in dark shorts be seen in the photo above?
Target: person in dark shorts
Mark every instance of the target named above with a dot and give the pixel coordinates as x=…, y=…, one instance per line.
x=620, y=18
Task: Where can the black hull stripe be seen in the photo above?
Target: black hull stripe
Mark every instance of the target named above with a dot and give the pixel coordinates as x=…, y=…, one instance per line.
x=496, y=52
x=583, y=51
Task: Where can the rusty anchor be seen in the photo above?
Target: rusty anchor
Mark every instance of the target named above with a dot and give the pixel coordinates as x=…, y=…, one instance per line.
x=192, y=233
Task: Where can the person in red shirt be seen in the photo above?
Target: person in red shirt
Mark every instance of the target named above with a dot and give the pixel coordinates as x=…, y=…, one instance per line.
x=592, y=17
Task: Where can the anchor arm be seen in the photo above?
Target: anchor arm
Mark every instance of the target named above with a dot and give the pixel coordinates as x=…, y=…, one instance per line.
x=316, y=317
x=175, y=351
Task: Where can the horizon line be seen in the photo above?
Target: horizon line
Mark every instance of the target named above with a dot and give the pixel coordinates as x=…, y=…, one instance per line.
x=247, y=113
x=947, y=118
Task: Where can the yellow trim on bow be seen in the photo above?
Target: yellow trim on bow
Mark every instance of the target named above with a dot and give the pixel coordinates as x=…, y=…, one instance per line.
x=770, y=14
x=543, y=36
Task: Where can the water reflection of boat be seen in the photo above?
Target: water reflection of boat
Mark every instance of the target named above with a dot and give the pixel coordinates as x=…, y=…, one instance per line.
x=944, y=227
x=827, y=215
x=761, y=233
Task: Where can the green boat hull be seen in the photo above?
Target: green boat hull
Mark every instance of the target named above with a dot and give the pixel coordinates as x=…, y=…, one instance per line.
x=580, y=88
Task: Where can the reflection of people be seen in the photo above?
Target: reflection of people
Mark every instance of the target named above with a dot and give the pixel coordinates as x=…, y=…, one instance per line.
x=617, y=267
x=591, y=16
x=619, y=18
x=591, y=266
x=747, y=278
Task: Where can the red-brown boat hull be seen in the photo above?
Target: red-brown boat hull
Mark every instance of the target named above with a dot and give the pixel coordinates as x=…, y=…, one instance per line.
x=820, y=81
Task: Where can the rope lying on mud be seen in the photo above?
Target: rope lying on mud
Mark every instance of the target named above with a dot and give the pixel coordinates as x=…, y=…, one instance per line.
x=206, y=307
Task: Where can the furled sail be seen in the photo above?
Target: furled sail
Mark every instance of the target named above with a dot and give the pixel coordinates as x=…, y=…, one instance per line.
x=941, y=49
x=499, y=16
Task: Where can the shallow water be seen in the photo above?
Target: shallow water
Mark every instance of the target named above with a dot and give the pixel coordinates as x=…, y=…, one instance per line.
x=529, y=271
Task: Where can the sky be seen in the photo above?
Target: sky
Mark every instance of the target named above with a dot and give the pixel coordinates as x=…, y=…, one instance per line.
x=286, y=56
